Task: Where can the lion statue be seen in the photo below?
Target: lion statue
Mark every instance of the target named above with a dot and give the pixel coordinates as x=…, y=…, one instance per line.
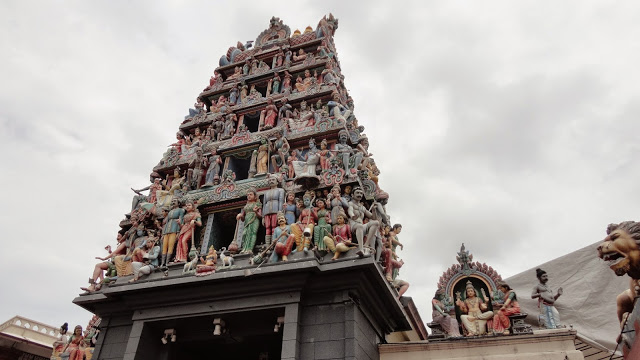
x=621, y=249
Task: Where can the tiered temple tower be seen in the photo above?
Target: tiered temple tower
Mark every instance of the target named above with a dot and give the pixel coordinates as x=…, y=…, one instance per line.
x=271, y=180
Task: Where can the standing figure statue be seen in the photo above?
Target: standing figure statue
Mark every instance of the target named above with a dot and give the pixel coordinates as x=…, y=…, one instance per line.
x=268, y=116
x=449, y=324
x=262, y=162
x=323, y=228
x=229, y=126
x=337, y=203
x=304, y=227
x=286, y=83
x=275, y=87
x=350, y=157
x=170, y=231
x=546, y=300
x=290, y=208
x=213, y=171
x=273, y=203
x=194, y=175
x=190, y=220
x=250, y=214
x=357, y=212
x=233, y=94
x=476, y=310
x=510, y=306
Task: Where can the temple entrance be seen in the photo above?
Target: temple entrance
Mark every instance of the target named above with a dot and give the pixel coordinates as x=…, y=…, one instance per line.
x=244, y=335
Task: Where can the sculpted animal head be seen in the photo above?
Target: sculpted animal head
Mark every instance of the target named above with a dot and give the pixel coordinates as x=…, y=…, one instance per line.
x=621, y=248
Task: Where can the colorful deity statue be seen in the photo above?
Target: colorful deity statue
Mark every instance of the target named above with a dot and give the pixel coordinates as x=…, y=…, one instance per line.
x=357, y=213
x=190, y=220
x=546, y=300
x=303, y=229
x=251, y=214
x=274, y=199
x=283, y=238
x=340, y=241
x=475, y=309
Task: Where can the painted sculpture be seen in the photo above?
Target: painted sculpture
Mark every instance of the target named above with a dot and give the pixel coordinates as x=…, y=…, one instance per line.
x=441, y=316
x=246, y=136
x=509, y=307
x=476, y=311
x=546, y=300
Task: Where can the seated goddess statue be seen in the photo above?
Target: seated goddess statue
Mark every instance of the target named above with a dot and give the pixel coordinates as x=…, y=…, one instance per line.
x=476, y=310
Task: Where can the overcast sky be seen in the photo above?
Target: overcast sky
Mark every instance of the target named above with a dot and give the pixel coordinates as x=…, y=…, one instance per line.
x=510, y=126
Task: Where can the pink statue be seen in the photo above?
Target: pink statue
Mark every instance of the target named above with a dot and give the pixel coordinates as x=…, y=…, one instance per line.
x=191, y=219
x=303, y=85
x=300, y=57
x=286, y=83
x=325, y=154
x=269, y=115
x=340, y=242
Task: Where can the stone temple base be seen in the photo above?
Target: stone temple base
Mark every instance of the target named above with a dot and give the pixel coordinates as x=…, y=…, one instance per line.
x=543, y=344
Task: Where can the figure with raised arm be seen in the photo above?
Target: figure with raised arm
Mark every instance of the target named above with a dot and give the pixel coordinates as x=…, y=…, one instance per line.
x=190, y=220
x=546, y=300
x=170, y=230
x=476, y=310
x=357, y=212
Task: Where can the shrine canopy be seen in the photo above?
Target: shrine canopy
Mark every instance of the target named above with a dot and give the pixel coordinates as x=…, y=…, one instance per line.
x=589, y=299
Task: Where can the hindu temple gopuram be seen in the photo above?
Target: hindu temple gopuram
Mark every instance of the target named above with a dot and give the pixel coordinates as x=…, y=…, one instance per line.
x=263, y=233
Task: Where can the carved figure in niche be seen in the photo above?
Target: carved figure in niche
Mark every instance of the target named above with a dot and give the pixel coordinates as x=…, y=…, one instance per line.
x=273, y=203
x=254, y=66
x=229, y=126
x=350, y=158
x=449, y=324
x=324, y=155
x=244, y=93
x=287, y=58
x=170, y=230
x=275, y=87
x=475, y=308
x=510, y=307
x=165, y=196
x=329, y=76
x=220, y=105
x=283, y=239
x=263, y=67
x=340, y=242
x=281, y=152
x=218, y=127
x=254, y=95
x=233, y=94
x=246, y=67
x=278, y=60
x=237, y=73
x=323, y=227
x=250, y=214
x=286, y=83
x=268, y=116
x=307, y=167
x=290, y=208
x=304, y=85
x=621, y=250
x=285, y=111
x=194, y=176
x=337, y=203
x=76, y=344
x=303, y=120
x=149, y=259
x=290, y=160
x=190, y=220
x=301, y=55
x=357, y=212
x=306, y=222
x=546, y=300
x=213, y=169
x=262, y=163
